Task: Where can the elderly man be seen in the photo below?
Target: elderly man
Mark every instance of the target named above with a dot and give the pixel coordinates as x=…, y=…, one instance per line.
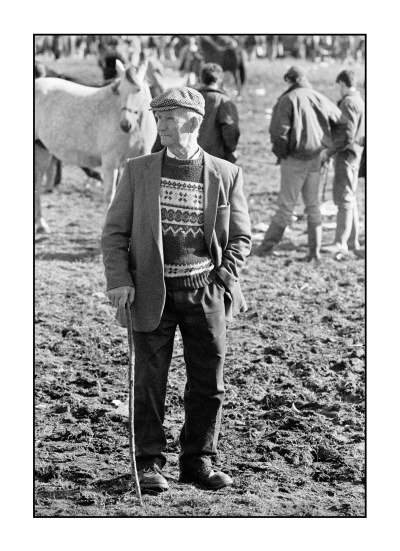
x=219, y=133
x=347, y=164
x=175, y=237
x=301, y=127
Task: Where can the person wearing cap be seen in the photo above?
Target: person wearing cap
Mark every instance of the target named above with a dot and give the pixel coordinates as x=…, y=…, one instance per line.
x=347, y=164
x=303, y=123
x=219, y=132
x=175, y=237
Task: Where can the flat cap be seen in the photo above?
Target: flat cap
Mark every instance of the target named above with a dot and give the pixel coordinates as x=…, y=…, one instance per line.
x=185, y=97
x=295, y=72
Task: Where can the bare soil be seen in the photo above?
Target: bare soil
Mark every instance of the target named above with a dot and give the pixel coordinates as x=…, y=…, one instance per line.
x=293, y=424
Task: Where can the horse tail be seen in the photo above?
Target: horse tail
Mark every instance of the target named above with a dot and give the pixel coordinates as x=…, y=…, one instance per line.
x=58, y=175
x=242, y=70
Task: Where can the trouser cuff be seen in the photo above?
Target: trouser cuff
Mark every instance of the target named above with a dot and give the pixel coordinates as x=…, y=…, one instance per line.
x=144, y=462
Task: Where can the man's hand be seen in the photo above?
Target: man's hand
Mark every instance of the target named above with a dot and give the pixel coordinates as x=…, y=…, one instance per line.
x=121, y=296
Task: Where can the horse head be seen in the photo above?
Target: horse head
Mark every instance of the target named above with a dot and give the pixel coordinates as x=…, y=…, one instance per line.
x=134, y=95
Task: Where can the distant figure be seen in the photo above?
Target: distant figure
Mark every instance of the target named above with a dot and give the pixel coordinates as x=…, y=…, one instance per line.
x=219, y=133
x=274, y=46
x=190, y=62
x=225, y=51
x=301, y=126
x=347, y=164
x=108, y=55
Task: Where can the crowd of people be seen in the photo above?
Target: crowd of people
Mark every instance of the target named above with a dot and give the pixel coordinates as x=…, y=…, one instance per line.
x=306, y=130
x=271, y=46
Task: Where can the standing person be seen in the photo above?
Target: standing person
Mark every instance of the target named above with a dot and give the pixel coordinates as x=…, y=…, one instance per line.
x=108, y=56
x=190, y=61
x=347, y=164
x=219, y=133
x=301, y=127
x=175, y=237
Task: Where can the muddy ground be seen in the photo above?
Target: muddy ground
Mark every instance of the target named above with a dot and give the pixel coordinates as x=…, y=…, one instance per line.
x=293, y=425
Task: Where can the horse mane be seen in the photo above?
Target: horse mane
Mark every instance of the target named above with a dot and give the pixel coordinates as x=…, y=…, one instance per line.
x=115, y=85
x=132, y=78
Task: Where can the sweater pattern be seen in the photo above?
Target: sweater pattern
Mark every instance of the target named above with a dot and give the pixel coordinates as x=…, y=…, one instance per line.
x=187, y=263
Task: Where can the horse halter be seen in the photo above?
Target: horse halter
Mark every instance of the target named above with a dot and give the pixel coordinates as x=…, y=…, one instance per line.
x=138, y=111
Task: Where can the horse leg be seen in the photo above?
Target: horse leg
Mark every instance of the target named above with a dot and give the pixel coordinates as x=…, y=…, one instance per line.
x=53, y=175
x=110, y=177
x=58, y=176
x=42, y=164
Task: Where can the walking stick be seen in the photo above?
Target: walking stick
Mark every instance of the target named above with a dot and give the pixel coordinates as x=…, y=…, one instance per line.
x=135, y=479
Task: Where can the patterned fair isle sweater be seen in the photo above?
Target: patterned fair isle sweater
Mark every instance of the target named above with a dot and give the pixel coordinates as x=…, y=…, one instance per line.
x=187, y=263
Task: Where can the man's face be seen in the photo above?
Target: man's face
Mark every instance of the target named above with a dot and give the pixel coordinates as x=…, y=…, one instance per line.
x=173, y=126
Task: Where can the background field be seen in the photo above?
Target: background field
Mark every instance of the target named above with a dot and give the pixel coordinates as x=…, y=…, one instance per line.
x=293, y=424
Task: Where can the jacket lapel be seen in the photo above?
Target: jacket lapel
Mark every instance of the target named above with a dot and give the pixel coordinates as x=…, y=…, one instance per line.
x=211, y=192
x=152, y=178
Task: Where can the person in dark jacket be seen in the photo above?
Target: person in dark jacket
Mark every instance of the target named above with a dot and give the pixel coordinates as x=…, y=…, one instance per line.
x=303, y=123
x=219, y=132
x=347, y=164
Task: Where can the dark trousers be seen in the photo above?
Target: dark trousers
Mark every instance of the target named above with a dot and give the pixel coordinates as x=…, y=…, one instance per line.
x=200, y=315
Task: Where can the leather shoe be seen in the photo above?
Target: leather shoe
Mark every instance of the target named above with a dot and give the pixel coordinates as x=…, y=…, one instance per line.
x=206, y=477
x=151, y=479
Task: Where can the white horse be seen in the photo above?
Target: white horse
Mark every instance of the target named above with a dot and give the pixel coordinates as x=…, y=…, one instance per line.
x=91, y=127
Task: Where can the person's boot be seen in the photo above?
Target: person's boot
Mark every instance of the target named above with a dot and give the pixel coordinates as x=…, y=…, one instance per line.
x=151, y=479
x=314, y=241
x=344, y=223
x=271, y=238
x=353, y=242
x=201, y=472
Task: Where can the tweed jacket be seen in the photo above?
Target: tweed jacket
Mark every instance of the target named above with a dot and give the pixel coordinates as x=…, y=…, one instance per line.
x=132, y=235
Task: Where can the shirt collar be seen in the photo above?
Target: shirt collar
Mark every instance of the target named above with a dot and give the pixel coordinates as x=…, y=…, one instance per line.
x=352, y=92
x=192, y=158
